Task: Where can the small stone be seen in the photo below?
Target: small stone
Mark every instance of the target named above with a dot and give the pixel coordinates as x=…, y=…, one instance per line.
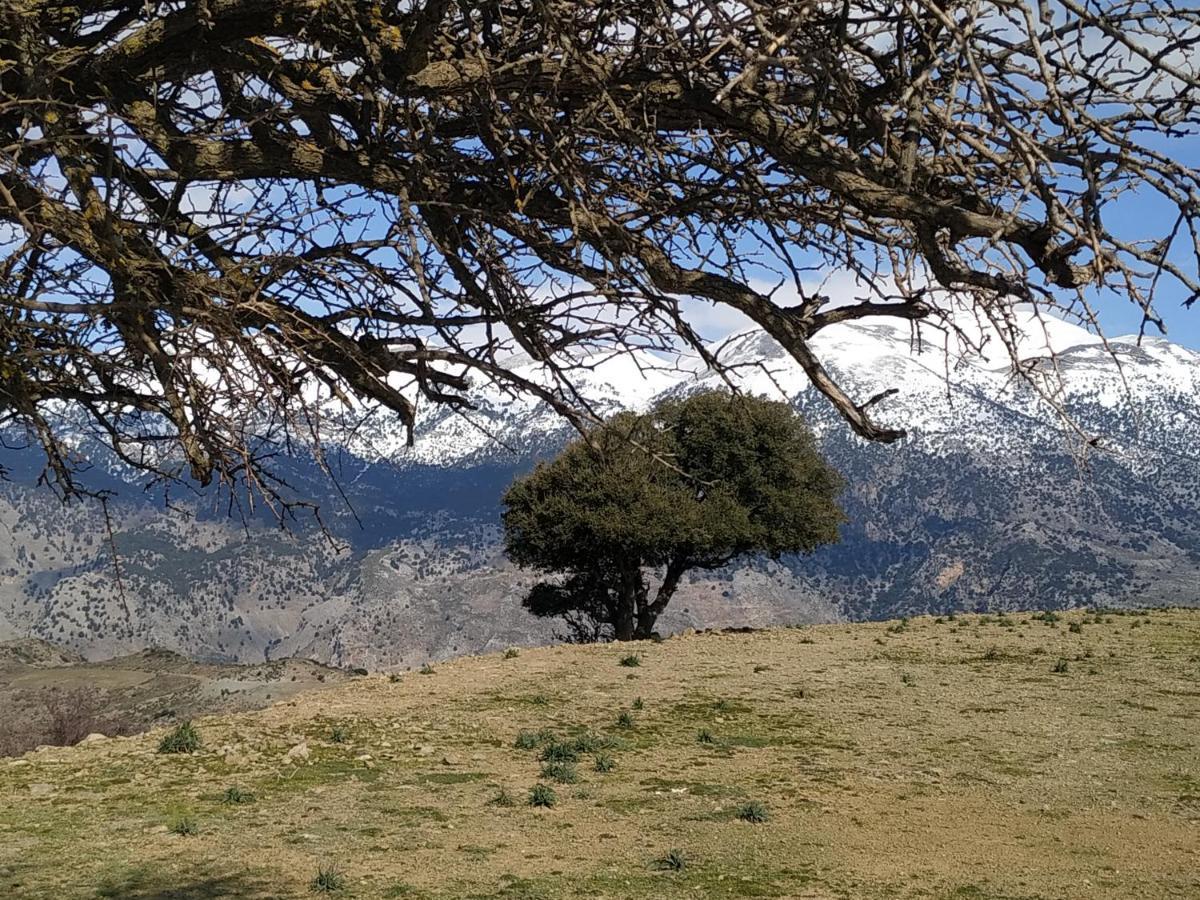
x=424, y=750
x=41, y=789
x=156, y=829
x=94, y=738
x=449, y=760
x=300, y=751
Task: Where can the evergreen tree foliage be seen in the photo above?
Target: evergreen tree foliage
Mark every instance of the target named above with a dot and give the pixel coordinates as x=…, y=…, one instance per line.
x=695, y=483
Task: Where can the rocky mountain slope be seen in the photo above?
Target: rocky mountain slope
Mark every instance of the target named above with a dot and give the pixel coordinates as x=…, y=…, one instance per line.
x=990, y=504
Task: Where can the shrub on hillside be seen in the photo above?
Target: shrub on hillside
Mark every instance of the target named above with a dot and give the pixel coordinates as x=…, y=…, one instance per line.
x=183, y=738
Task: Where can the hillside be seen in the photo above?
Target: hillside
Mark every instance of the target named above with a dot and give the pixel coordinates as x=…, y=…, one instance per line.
x=44, y=688
x=1028, y=756
x=988, y=506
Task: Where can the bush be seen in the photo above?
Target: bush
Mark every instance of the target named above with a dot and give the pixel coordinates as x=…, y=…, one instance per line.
x=328, y=880
x=542, y=795
x=559, y=751
x=604, y=763
x=1061, y=667
x=512, y=653
x=183, y=738
x=704, y=736
x=631, y=661
x=427, y=669
x=527, y=740
x=562, y=772
x=71, y=715
x=339, y=734
x=58, y=717
x=672, y=861
x=185, y=826
x=235, y=795
x=753, y=812
x=590, y=743
x=625, y=719
x=502, y=798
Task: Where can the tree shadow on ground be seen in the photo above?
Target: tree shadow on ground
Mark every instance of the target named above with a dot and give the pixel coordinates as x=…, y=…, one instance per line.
x=165, y=884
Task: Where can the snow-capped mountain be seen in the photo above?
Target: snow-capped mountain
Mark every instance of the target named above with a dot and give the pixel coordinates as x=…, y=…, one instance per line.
x=947, y=391
x=1086, y=491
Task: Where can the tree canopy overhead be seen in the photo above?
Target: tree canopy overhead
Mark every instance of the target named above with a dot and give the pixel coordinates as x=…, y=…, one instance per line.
x=215, y=213
x=695, y=483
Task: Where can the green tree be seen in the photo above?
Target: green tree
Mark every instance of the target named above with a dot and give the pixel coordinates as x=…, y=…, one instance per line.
x=693, y=484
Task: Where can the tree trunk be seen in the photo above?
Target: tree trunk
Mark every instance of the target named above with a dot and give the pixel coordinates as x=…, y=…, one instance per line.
x=649, y=612
x=624, y=623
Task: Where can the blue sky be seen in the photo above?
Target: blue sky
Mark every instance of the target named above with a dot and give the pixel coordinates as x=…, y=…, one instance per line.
x=1183, y=325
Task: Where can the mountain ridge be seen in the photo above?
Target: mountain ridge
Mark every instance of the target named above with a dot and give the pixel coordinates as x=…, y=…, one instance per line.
x=991, y=502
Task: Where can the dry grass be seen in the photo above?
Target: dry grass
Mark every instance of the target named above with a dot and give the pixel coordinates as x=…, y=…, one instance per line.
x=935, y=761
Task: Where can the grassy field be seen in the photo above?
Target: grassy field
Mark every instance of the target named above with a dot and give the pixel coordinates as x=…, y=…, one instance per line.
x=968, y=758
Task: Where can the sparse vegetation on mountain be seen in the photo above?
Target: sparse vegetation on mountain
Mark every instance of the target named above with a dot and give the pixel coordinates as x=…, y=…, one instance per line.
x=695, y=483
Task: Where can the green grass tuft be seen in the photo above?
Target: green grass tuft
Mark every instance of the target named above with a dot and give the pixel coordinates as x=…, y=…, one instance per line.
x=235, y=796
x=671, y=861
x=185, y=826
x=183, y=738
x=329, y=879
x=559, y=751
x=562, y=772
x=502, y=798
x=631, y=661
x=542, y=795
x=528, y=740
x=752, y=811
